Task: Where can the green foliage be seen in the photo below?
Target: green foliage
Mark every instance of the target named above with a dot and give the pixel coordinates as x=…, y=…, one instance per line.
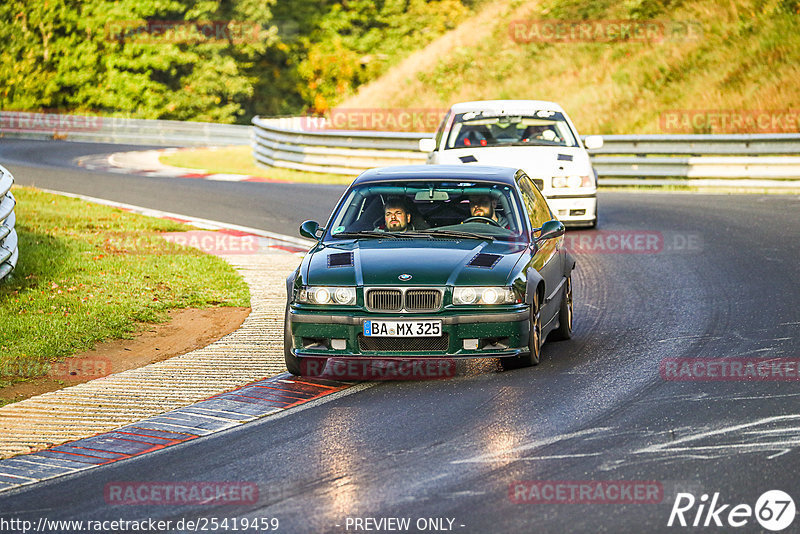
x=96, y=57
x=107, y=57
x=357, y=41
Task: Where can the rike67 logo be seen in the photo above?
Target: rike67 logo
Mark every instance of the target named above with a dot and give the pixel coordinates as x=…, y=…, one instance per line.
x=774, y=511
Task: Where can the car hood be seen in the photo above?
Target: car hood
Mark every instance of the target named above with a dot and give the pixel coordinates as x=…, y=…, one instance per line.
x=438, y=262
x=536, y=161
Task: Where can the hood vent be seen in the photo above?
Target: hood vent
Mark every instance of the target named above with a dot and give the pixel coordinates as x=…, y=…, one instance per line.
x=565, y=157
x=340, y=259
x=468, y=159
x=485, y=261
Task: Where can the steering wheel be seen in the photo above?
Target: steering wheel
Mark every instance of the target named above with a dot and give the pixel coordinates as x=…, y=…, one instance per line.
x=478, y=218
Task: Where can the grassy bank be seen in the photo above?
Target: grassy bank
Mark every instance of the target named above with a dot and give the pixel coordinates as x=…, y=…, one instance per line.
x=239, y=160
x=705, y=57
x=88, y=273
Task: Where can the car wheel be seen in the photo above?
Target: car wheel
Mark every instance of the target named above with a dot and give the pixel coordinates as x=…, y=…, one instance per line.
x=292, y=361
x=534, y=342
x=564, y=330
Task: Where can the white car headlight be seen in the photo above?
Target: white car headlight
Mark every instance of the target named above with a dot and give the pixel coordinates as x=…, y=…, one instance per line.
x=572, y=181
x=327, y=295
x=483, y=295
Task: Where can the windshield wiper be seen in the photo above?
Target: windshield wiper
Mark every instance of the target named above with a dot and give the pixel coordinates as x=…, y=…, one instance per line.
x=458, y=233
x=537, y=142
x=368, y=233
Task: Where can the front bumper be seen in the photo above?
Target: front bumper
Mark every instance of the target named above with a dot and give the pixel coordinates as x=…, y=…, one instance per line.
x=499, y=334
x=574, y=211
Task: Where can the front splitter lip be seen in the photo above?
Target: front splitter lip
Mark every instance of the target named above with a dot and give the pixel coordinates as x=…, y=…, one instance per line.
x=507, y=317
x=413, y=356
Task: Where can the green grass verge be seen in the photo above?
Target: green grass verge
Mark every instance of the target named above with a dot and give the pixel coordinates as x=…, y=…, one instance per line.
x=239, y=160
x=88, y=273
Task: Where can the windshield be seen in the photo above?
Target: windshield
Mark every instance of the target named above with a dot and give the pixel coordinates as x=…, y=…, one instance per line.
x=428, y=209
x=534, y=128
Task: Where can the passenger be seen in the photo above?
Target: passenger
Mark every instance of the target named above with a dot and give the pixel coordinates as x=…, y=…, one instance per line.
x=540, y=132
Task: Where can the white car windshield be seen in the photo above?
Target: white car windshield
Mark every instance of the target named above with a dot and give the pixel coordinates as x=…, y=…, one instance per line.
x=475, y=129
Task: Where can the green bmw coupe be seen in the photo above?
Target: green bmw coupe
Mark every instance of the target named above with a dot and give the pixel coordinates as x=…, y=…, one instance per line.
x=431, y=261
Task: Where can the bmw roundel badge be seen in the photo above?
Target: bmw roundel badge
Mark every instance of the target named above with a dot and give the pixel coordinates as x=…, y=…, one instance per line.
x=405, y=277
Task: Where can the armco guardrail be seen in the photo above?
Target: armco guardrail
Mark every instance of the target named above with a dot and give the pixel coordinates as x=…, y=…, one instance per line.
x=94, y=129
x=8, y=236
x=286, y=142
x=740, y=160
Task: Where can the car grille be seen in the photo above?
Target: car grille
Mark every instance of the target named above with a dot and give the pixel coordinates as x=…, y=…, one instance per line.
x=403, y=344
x=423, y=299
x=384, y=299
x=411, y=300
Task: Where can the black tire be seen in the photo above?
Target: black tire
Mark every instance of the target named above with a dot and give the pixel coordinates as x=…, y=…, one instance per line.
x=534, y=343
x=564, y=330
x=292, y=361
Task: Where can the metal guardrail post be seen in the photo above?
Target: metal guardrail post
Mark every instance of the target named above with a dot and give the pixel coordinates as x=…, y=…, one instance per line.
x=9, y=252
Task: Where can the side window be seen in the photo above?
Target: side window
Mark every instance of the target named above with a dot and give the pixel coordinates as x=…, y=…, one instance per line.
x=538, y=210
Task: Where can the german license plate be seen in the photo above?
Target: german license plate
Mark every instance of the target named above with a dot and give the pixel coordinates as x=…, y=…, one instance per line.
x=402, y=328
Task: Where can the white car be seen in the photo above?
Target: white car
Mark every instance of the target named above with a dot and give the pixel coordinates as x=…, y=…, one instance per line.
x=532, y=135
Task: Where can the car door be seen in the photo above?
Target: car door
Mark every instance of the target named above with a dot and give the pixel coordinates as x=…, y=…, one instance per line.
x=549, y=256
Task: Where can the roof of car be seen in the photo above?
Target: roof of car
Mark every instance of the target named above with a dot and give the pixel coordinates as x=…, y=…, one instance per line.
x=475, y=173
x=507, y=106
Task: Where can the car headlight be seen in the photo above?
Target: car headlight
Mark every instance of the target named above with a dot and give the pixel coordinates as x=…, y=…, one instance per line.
x=327, y=295
x=484, y=295
x=573, y=181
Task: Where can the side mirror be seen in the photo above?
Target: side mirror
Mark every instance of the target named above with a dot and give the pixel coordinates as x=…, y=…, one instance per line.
x=309, y=229
x=593, y=142
x=551, y=229
x=427, y=145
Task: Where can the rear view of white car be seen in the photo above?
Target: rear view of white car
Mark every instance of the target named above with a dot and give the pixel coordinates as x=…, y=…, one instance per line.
x=532, y=135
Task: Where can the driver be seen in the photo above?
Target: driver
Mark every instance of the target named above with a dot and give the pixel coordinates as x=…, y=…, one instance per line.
x=484, y=206
x=396, y=216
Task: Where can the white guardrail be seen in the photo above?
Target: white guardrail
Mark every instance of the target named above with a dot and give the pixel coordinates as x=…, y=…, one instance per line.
x=95, y=129
x=735, y=160
x=9, y=253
